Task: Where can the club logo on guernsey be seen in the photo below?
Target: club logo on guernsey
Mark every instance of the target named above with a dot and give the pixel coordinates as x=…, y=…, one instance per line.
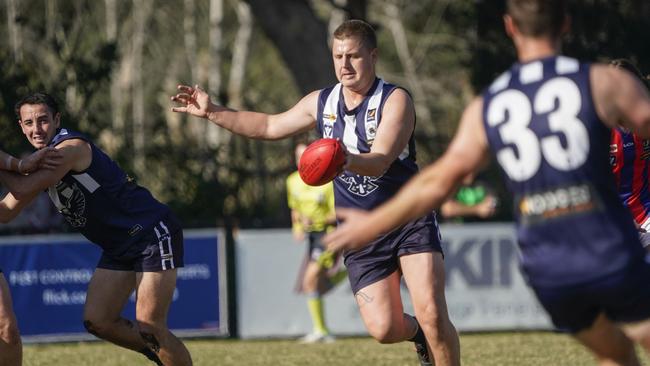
x=328, y=124
x=70, y=201
x=371, y=125
x=360, y=185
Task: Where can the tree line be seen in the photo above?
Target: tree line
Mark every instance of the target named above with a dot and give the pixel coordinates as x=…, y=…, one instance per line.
x=113, y=65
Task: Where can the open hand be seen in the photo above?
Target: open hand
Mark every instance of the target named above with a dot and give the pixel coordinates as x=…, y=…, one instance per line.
x=194, y=101
x=351, y=233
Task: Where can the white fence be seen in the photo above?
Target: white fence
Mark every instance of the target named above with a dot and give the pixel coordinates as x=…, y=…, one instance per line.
x=485, y=289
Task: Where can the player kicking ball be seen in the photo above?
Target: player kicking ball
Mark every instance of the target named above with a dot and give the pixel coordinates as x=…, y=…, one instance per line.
x=375, y=121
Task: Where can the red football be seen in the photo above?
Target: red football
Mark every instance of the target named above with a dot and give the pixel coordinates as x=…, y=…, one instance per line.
x=321, y=161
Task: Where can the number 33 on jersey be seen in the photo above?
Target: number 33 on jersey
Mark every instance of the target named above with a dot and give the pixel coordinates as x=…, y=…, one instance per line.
x=539, y=123
x=544, y=131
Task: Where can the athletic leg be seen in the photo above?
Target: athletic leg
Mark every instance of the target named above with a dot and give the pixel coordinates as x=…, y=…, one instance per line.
x=424, y=274
x=609, y=343
x=382, y=311
x=11, y=348
x=108, y=292
x=313, y=275
x=154, y=296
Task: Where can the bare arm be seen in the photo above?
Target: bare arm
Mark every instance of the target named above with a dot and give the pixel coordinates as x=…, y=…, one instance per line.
x=393, y=134
x=10, y=207
x=75, y=155
x=426, y=191
x=300, y=118
x=621, y=99
x=47, y=158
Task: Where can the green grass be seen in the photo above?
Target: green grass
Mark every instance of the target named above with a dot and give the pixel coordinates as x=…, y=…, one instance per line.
x=484, y=349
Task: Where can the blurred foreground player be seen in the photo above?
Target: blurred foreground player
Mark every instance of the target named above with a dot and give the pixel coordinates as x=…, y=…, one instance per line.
x=375, y=121
x=312, y=215
x=11, y=352
x=141, y=239
x=546, y=120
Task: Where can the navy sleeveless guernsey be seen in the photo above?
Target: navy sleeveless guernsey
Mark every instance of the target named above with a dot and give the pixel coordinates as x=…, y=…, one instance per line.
x=357, y=128
x=103, y=203
x=543, y=128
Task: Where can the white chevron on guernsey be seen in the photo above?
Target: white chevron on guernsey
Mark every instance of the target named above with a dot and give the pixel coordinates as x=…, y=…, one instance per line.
x=87, y=181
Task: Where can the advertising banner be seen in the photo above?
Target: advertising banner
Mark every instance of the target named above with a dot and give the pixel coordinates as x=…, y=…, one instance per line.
x=485, y=289
x=48, y=277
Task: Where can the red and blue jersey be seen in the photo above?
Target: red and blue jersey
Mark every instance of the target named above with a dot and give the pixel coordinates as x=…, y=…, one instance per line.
x=629, y=157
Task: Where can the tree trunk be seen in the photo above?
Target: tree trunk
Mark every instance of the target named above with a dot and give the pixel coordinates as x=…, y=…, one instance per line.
x=296, y=30
x=111, y=20
x=212, y=133
x=50, y=20
x=337, y=16
x=108, y=136
x=394, y=23
x=189, y=35
x=241, y=48
x=13, y=28
x=142, y=13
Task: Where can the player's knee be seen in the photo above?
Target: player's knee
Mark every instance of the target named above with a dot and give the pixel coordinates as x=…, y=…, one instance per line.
x=430, y=317
x=309, y=284
x=382, y=331
x=91, y=327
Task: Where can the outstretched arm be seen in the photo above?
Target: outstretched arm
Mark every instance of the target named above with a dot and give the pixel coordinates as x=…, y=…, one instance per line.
x=300, y=118
x=10, y=207
x=426, y=191
x=46, y=158
x=75, y=155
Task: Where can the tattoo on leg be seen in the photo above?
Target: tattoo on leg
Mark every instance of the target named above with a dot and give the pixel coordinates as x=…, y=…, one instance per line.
x=364, y=297
x=151, y=341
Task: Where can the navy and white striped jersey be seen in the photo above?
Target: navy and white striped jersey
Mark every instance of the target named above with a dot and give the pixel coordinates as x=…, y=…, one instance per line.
x=103, y=203
x=543, y=128
x=357, y=128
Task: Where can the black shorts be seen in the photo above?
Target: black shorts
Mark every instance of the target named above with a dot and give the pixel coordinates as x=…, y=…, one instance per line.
x=380, y=258
x=315, y=242
x=158, y=250
x=621, y=297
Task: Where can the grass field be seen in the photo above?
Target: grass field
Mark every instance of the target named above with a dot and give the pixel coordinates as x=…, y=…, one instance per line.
x=484, y=349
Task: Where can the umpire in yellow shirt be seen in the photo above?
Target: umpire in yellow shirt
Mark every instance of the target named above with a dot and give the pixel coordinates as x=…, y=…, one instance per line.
x=312, y=215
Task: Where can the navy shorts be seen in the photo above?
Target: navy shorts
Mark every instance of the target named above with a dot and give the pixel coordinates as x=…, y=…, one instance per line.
x=380, y=258
x=622, y=297
x=158, y=250
x=315, y=242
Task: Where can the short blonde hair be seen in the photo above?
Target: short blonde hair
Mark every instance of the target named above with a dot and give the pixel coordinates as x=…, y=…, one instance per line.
x=357, y=28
